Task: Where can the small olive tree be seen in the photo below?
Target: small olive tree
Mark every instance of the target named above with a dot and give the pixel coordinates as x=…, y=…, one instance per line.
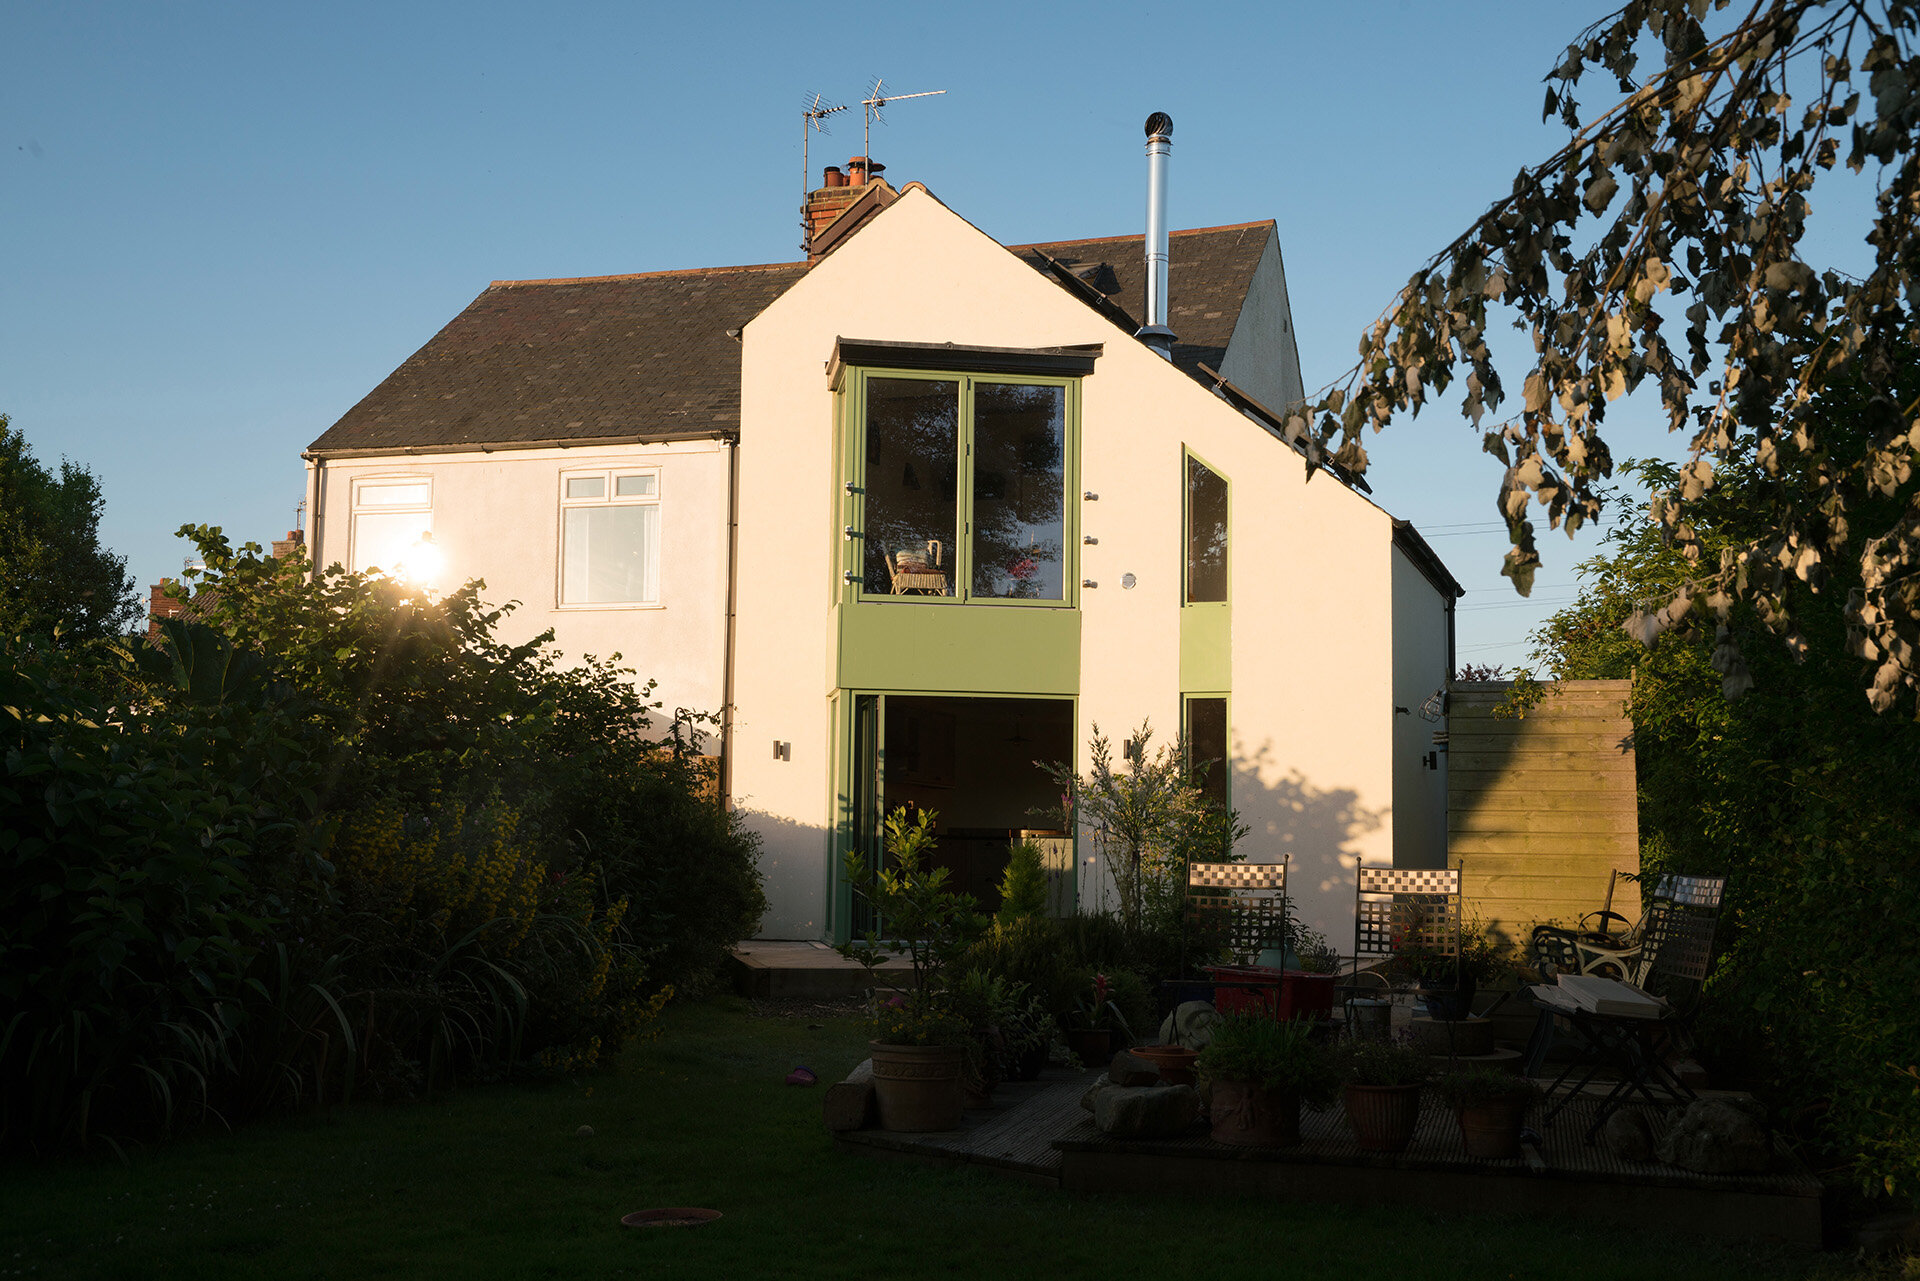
x=1151, y=818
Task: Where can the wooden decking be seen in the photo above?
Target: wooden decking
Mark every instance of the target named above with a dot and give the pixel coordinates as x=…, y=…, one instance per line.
x=1039, y=1132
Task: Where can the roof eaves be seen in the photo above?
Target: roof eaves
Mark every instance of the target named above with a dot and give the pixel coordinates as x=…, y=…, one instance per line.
x=646, y=275
x=1276, y=426
x=1425, y=559
x=502, y=446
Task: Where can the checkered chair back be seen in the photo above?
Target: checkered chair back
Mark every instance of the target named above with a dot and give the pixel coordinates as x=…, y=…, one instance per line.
x=1677, y=940
x=1246, y=902
x=1400, y=907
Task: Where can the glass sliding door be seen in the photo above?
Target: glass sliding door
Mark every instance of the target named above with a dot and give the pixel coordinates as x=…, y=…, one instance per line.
x=864, y=796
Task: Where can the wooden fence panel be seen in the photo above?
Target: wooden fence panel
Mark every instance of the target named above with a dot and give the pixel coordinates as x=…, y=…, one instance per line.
x=1541, y=807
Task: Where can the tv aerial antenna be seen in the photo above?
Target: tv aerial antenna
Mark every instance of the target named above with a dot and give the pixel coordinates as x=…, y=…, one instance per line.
x=813, y=117
x=875, y=104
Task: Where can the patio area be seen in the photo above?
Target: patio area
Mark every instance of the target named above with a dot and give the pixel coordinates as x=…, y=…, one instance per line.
x=1038, y=1132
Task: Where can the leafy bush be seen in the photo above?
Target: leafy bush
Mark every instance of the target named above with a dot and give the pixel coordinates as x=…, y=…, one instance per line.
x=1280, y=1055
x=1023, y=887
x=1468, y=1086
x=339, y=834
x=152, y=854
x=1365, y=1061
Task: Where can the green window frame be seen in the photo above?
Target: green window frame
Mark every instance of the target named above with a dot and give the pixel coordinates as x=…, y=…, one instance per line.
x=958, y=565
x=1206, y=573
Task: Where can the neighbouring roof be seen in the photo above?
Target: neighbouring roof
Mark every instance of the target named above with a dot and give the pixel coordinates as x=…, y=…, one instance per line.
x=1210, y=271
x=650, y=357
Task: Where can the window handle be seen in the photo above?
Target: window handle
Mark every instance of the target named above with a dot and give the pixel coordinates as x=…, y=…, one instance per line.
x=853, y=488
x=851, y=532
x=850, y=577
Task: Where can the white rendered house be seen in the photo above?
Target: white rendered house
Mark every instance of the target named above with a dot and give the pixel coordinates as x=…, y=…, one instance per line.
x=919, y=513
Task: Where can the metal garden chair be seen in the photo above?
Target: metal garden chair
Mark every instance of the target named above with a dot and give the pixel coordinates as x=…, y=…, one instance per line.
x=1673, y=960
x=1245, y=904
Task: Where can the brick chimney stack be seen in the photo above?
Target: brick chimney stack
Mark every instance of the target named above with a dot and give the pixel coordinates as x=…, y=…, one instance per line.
x=838, y=188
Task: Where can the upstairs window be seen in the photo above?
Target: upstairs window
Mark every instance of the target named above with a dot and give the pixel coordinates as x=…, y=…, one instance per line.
x=610, y=538
x=392, y=520
x=964, y=488
x=1206, y=533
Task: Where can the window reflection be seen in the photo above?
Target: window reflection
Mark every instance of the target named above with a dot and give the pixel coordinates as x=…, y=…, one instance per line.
x=1019, y=483
x=1207, y=748
x=912, y=486
x=1206, y=533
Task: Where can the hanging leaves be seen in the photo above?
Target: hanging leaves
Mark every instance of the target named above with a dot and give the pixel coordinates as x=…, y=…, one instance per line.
x=1694, y=186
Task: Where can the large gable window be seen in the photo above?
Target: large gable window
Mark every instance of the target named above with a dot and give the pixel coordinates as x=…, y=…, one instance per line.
x=960, y=485
x=610, y=537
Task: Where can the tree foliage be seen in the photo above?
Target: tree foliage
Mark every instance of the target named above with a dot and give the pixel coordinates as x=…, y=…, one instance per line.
x=338, y=835
x=1804, y=798
x=1693, y=191
x=54, y=574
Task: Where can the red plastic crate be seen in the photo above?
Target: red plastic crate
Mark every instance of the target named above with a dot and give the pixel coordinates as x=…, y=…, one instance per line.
x=1279, y=994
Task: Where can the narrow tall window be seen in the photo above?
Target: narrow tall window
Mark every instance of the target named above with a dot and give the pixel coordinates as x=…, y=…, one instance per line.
x=391, y=516
x=1207, y=747
x=1206, y=533
x=610, y=538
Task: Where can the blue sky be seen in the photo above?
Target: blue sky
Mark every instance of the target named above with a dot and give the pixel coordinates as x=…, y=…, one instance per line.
x=220, y=226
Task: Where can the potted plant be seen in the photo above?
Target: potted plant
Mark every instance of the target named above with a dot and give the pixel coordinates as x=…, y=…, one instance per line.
x=920, y=1044
x=1380, y=1088
x=1098, y=1027
x=1448, y=982
x=1260, y=1071
x=1490, y=1106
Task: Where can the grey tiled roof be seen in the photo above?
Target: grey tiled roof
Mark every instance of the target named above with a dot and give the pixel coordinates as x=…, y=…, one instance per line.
x=540, y=361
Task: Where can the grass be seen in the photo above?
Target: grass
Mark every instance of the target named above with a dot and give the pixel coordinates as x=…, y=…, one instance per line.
x=495, y=1182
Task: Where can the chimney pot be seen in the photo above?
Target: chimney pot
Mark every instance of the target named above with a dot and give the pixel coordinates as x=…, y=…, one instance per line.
x=833, y=177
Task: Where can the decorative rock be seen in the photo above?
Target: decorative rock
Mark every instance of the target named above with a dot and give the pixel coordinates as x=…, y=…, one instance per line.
x=1146, y=1112
x=1628, y=1135
x=850, y=1104
x=1131, y=1069
x=1190, y=1025
x=1691, y=1074
x=1714, y=1136
x=584, y=1132
x=1093, y=1091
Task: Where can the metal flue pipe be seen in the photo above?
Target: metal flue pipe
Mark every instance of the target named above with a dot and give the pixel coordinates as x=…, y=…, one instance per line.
x=1159, y=151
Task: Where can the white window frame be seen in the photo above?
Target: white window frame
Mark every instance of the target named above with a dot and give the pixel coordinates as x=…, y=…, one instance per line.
x=360, y=508
x=610, y=475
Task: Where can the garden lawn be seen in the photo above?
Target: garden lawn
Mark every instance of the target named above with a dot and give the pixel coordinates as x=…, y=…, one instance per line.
x=494, y=1182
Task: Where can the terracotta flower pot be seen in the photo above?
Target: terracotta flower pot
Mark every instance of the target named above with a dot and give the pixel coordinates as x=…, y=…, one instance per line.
x=1249, y=1115
x=1490, y=1129
x=919, y=1088
x=1174, y=1061
x=1382, y=1117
